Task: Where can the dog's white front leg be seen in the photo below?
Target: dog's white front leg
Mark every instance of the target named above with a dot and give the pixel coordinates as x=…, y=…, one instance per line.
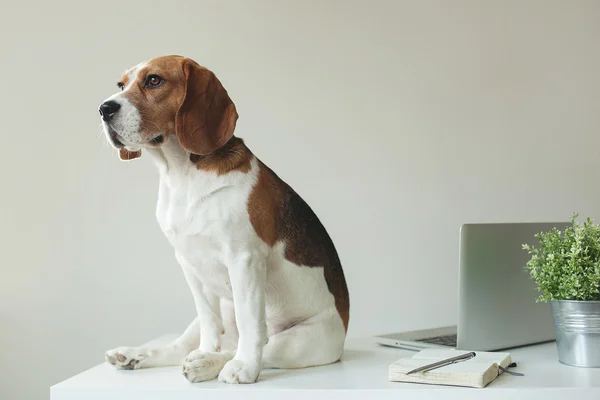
x=247, y=273
x=206, y=362
x=207, y=307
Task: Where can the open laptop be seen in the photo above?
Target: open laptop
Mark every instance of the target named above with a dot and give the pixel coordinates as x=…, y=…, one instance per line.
x=497, y=306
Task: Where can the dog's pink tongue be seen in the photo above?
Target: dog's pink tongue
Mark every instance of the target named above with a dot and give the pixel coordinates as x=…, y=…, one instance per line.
x=127, y=155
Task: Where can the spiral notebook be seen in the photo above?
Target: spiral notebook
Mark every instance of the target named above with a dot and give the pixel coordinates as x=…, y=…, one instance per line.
x=477, y=372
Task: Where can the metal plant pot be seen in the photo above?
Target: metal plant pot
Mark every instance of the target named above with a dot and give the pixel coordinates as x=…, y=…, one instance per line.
x=577, y=327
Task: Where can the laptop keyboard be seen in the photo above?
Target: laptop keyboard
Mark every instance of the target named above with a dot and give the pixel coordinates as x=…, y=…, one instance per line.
x=447, y=340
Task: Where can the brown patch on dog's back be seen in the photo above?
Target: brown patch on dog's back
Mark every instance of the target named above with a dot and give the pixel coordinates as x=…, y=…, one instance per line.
x=277, y=213
x=264, y=204
x=233, y=156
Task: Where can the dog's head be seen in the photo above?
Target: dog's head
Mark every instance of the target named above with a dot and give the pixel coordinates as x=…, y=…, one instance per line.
x=165, y=96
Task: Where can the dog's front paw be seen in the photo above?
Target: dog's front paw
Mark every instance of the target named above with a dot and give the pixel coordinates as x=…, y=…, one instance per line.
x=200, y=366
x=126, y=357
x=238, y=371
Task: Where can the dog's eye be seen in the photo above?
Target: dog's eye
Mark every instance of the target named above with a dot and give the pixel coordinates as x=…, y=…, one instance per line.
x=153, y=81
x=121, y=85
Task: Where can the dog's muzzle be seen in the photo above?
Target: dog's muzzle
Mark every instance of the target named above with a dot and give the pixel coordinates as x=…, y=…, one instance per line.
x=114, y=138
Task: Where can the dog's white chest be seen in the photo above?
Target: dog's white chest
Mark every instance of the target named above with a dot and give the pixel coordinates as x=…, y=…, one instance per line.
x=203, y=216
x=189, y=216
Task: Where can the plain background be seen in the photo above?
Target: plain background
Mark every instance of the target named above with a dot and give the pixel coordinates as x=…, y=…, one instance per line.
x=396, y=120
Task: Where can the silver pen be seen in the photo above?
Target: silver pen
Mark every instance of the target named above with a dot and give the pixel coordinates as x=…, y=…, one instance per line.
x=438, y=364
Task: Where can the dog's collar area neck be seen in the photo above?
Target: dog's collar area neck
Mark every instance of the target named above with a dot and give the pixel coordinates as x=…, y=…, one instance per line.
x=195, y=158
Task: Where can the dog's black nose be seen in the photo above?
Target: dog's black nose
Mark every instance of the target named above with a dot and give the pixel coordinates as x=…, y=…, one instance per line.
x=108, y=109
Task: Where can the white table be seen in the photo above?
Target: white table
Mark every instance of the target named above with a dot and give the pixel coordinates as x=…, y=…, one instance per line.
x=362, y=374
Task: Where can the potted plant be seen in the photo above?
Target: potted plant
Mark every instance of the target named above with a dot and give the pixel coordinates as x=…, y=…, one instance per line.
x=566, y=269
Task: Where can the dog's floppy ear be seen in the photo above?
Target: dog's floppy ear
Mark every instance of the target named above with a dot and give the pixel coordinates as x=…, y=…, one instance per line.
x=127, y=155
x=206, y=117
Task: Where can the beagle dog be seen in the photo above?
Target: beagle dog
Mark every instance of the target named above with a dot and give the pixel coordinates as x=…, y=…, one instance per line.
x=267, y=281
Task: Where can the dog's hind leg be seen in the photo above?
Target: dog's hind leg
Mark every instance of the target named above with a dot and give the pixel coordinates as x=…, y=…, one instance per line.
x=160, y=356
x=318, y=340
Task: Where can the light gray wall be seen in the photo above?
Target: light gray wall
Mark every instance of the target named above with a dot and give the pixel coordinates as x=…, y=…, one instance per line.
x=396, y=120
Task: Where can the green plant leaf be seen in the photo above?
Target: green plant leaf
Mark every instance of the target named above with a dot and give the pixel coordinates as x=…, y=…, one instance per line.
x=566, y=265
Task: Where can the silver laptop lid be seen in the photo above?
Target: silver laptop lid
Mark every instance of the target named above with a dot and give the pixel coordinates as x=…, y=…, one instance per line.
x=497, y=306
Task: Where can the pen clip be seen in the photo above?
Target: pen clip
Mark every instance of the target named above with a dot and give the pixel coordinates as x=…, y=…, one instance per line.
x=468, y=356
